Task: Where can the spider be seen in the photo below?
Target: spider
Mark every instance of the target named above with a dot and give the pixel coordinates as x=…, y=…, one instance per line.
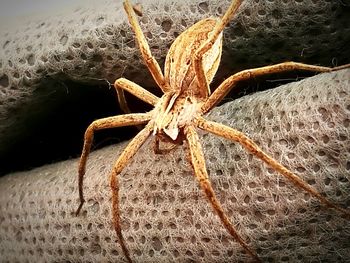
x=190, y=66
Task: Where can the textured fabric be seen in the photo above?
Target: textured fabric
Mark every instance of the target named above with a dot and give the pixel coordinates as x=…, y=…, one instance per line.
x=304, y=125
x=166, y=218
x=94, y=43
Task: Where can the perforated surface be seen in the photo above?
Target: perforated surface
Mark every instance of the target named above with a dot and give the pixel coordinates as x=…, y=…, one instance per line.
x=304, y=125
x=94, y=43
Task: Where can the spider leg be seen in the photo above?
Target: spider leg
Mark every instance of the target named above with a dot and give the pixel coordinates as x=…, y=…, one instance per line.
x=122, y=161
x=105, y=123
x=229, y=83
x=198, y=163
x=148, y=58
x=136, y=90
x=235, y=135
x=198, y=55
x=122, y=100
x=122, y=84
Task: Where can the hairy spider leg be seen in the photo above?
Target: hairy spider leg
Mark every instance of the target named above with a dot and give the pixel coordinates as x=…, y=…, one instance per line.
x=122, y=100
x=198, y=55
x=147, y=56
x=136, y=90
x=200, y=171
x=122, y=84
x=120, y=164
x=228, y=84
x=237, y=136
x=105, y=123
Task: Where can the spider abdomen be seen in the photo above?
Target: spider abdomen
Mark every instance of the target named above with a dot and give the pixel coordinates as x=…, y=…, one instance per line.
x=179, y=70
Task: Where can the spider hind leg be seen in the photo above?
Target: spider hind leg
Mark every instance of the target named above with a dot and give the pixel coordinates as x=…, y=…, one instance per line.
x=200, y=171
x=120, y=164
x=237, y=136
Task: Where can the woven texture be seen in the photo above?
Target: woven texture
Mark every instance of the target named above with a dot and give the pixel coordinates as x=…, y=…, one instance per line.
x=94, y=44
x=304, y=125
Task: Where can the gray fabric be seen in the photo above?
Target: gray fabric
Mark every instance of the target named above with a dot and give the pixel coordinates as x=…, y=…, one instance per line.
x=166, y=218
x=304, y=125
x=93, y=44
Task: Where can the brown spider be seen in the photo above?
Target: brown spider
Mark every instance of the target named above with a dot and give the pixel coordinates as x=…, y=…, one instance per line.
x=190, y=66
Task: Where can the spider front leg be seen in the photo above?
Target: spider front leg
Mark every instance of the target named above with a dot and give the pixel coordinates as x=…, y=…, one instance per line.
x=148, y=59
x=105, y=123
x=198, y=55
x=198, y=163
x=147, y=56
x=122, y=161
x=237, y=136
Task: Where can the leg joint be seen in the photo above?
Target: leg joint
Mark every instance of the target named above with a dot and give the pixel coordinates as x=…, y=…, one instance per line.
x=204, y=48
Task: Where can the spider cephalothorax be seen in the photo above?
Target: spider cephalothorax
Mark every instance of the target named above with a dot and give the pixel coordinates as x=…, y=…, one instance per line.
x=190, y=66
x=178, y=113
